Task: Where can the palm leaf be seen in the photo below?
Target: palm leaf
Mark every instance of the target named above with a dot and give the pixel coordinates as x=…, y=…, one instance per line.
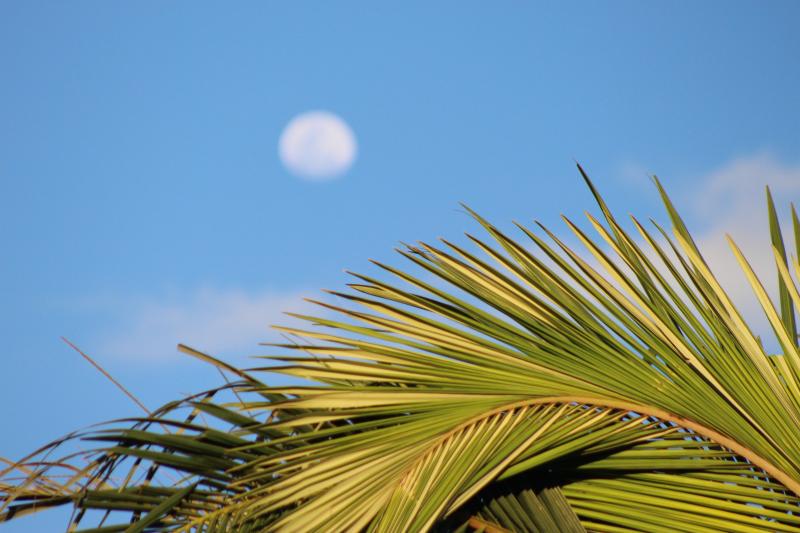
x=515, y=385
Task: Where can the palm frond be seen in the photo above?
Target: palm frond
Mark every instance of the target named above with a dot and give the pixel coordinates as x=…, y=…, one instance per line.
x=512, y=385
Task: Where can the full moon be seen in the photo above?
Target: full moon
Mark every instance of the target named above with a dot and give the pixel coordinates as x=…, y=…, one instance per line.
x=317, y=145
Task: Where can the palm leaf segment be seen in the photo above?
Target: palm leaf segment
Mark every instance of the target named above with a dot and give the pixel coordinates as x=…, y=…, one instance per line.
x=530, y=388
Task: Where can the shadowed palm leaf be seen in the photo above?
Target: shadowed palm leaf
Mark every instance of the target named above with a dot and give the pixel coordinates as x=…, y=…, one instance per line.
x=519, y=385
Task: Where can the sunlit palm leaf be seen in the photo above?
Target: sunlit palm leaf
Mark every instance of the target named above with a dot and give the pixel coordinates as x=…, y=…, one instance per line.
x=465, y=396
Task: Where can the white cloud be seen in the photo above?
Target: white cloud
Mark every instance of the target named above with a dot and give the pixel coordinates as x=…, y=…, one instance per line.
x=731, y=199
x=632, y=173
x=225, y=323
x=230, y=323
x=317, y=145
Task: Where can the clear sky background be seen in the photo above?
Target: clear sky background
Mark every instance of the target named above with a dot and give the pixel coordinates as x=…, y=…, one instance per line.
x=143, y=203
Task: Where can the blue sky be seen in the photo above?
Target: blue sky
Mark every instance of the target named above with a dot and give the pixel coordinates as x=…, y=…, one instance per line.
x=144, y=203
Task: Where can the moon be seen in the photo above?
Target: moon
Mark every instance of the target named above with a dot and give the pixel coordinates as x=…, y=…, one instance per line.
x=317, y=146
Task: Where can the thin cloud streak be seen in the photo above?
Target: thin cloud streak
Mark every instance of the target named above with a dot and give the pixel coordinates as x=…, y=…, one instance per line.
x=227, y=323
x=231, y=322
x=732, y=199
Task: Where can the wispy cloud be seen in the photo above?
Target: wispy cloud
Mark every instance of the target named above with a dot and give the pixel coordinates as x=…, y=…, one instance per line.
x=231, y=322
x=225, y=322
x=732, y=200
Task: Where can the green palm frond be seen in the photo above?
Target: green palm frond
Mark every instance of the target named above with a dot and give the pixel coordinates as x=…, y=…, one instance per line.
x=515, y=385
